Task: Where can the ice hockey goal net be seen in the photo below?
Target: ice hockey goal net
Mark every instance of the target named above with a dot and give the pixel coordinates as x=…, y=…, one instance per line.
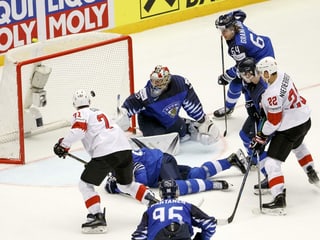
x=38, y=81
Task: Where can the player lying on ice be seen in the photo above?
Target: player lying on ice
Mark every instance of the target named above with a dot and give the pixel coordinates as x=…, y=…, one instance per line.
x=158, y=104
x=152, y=165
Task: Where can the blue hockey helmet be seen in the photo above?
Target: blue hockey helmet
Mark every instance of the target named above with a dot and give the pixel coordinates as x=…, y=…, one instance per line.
x=168, y=189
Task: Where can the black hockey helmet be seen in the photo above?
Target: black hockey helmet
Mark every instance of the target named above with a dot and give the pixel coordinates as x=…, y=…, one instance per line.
x=225, y=21
x=168, y=189
x=246, y=65
x=247, y=68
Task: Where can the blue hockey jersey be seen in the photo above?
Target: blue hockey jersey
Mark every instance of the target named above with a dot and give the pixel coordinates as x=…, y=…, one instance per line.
x=248, y=44
x=162, y=214
x=165, y=108
x=151, y=160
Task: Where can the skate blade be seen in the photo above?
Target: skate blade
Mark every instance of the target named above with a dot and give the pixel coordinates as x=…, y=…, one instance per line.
x=263, y=191
x=96, y=230
x=271, y=212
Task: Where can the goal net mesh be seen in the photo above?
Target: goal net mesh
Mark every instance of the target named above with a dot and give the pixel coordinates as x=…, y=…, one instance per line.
x=38, y=81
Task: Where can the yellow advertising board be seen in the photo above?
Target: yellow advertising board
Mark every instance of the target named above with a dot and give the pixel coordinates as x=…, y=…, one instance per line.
x=139, y=15
x=46, y=19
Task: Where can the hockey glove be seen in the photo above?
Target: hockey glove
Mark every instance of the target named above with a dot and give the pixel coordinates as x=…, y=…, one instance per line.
x=111, y=184
x=258, y=142
x=224, y=79
x=60, y=151
x=122, y=119
x=252, y=111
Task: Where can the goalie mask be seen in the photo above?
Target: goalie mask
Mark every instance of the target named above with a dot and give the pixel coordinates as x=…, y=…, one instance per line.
x=168, y=189
x=81, y=99
x=159, y=79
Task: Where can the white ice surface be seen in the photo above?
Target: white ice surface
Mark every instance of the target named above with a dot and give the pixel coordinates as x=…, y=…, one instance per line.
x=40, y=200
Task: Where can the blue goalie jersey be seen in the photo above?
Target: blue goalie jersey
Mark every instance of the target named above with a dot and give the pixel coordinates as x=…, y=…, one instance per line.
x=165, y=108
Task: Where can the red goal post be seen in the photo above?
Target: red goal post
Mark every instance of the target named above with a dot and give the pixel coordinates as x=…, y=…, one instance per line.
x=38, y=81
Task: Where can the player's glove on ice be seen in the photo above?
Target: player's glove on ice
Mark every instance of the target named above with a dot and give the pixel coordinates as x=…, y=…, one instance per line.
x=59, y=150
x=111, y=184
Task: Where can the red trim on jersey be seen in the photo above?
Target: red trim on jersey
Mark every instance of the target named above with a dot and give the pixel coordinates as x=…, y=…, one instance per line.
x=81, y=125
x=93, y=200
x=274, y=118
x=276, y=180
x=140, y=193
x=305, y=160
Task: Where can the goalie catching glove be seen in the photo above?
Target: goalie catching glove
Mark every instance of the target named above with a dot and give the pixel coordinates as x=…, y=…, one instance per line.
x=208, y=133
x=59, y=150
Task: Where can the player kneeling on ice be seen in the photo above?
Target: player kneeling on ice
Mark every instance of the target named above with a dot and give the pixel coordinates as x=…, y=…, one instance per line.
x=158, y=105
x=174, y=219
x=110, y=150
x=152, y=165
x=286, y=124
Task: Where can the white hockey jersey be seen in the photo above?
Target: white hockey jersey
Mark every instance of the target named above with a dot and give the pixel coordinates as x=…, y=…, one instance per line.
x=99, y=135
x=283, y=105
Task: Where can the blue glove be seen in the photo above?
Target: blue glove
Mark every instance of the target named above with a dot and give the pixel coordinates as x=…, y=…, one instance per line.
x=111, y=184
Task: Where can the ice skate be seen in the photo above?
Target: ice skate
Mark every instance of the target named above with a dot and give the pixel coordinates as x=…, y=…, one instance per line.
x=219, y=113
x=96, y=223
x=220, y=185
x=313, y=176
x=239, y=160
x=264, y=187
x=277, y=206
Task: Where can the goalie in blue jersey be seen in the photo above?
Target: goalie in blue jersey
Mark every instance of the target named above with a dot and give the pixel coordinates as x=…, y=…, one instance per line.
x=158, y=105
x=151, y=166
x=172, y=218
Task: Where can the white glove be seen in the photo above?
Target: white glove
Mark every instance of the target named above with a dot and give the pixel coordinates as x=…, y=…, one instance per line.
x=207, y=133
x=122, y=119
x=206, y=125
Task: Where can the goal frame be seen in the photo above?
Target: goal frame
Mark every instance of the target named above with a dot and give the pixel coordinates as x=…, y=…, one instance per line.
x=19, y=93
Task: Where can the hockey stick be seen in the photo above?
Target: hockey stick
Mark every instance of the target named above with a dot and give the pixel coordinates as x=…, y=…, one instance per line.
x=118, y=104
x=224, y=89
x=77, y=158
x=230, y=219
x=259, y=182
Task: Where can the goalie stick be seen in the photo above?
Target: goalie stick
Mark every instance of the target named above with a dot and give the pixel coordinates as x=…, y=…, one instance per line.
x=230, y=219
x=147, y=142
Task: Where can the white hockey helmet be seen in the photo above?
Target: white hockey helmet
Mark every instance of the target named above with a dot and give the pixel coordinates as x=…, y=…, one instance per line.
x=159, y=78
x=81, y=98
x=267, y=64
